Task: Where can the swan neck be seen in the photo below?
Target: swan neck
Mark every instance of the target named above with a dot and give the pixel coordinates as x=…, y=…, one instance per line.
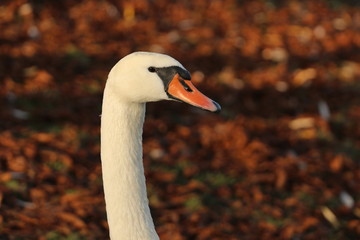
x=126, y=200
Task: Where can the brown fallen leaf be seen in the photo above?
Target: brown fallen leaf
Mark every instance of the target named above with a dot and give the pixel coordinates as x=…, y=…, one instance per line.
x=72, y=219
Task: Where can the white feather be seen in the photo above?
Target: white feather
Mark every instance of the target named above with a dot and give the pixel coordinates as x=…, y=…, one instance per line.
x=128, y=87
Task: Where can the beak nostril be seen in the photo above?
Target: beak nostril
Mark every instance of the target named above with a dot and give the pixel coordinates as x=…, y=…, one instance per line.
x=186, y=87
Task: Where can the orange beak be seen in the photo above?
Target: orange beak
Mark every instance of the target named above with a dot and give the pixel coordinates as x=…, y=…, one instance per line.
x=185, y=91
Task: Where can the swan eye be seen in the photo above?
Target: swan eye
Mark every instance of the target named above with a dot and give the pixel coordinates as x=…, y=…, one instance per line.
x=152, y=69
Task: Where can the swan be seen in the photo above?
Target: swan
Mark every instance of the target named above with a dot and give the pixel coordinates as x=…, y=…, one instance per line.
x=137, y=78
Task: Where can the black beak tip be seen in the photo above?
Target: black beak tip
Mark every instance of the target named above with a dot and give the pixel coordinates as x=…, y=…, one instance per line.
x=218, y=107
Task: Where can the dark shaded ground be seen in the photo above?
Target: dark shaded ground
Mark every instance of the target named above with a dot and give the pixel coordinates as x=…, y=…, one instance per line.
x=280, y=162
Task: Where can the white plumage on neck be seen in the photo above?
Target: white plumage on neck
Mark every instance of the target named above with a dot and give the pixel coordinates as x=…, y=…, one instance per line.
x=129, y=86
x=123, y=173
x=136, y=79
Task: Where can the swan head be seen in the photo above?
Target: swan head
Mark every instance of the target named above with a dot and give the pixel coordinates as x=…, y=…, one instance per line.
x=148, y=77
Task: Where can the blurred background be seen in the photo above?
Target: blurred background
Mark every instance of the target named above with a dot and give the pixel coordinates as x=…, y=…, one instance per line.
x=281, y=161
